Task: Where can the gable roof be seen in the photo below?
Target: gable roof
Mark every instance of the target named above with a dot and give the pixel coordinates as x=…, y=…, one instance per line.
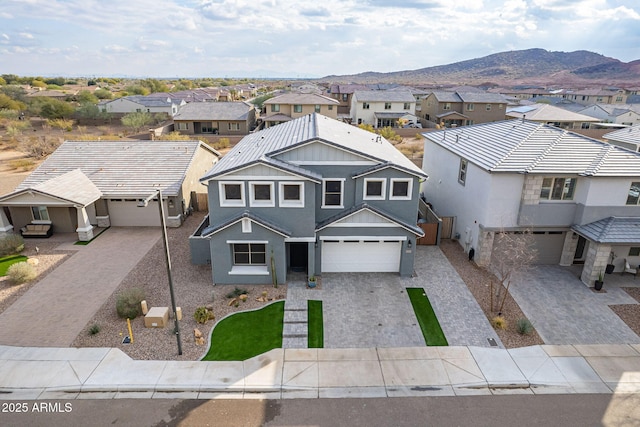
x=379, y=212
x=481, y=97
x=302, y=98
x=629, y=135
x=213, y=229
x=214, y=111
x=122, y=168
x=383, y=96
x=547, y=113
x=522, y=146
x=264, y=145
x=611, y=230
x=73, y=187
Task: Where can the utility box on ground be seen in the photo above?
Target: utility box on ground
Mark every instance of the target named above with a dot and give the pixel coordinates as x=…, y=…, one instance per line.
x=157, y=317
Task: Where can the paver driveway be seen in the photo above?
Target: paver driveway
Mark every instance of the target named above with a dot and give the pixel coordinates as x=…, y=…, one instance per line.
x=373, y=309
x=54, y=311
x=565, y=311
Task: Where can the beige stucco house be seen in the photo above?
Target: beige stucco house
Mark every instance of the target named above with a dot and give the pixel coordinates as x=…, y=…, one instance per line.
x=289, y=106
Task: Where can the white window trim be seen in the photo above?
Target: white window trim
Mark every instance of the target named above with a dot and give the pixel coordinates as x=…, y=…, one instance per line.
x=409, y=189
x=465, y=163
x=341, y=206
x=261, y=203
x=249, y=270
x=40, y=221
x=290, y=203
x=231, y=203
x=383, y=186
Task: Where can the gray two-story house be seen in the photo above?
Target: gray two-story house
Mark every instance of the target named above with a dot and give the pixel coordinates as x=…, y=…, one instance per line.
x=313, y=195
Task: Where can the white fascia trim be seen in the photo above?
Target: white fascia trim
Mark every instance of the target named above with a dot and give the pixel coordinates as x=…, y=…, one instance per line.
x=409, y=189
x=231, y=173
x=333, y=162
x=365, y=238
x=407, y=171
x=233, y=203
x=384, y=189
x=300, y=239
x=364, y=224
x=265, y=242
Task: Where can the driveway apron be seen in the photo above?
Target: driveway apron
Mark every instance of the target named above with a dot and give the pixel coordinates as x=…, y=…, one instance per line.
x=55, y=310
x=565, y=311
x=374, y=310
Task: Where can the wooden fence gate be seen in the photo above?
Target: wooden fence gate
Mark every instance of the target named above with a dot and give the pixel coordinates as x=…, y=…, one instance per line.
x=447, y=226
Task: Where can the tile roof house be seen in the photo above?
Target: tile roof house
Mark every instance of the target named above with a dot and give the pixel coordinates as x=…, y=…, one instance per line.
x=313, y=195
x=552, y=115
x=628, y=138
x=84, y=184
x=612, y=113
x=289, y=106
x=463, y=108
x=381, y=108
x=519, y=175
x=138, y=103
x=220, y=118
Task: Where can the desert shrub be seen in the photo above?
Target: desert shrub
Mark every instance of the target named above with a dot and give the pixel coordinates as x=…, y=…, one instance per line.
x=11, y=244
x=40, y=147
x=21, y=272
x=201, y=315
x=94, y=329
x=128, y=303
x=236, y=293
x=499, y=322
x=8, y=114
x=23, y=164
x=221, y=144
x=524, y=326
x=174, y=136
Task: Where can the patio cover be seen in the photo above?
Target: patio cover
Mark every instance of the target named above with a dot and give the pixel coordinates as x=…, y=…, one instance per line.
x=611, y=230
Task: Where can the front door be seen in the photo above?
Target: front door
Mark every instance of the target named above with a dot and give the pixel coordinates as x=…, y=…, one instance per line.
x=579, y=256
x=298, y=256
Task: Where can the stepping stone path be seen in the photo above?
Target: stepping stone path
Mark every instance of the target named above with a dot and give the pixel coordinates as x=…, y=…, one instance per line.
x=295, y=333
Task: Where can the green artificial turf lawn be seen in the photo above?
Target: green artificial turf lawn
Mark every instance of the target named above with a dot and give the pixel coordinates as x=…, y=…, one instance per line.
x=245, y=335
x=316, y=327
x=8, y=261
x=427, y=319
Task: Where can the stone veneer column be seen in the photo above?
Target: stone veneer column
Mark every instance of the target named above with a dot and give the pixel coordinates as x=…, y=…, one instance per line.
x=531, y=190
x=5, y=225
x=485, y=247
x=596, y=262
x=569, y=248
x=85, y=229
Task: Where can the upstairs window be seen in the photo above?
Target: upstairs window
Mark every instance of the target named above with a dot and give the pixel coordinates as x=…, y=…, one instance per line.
x=558, y=188
x=231, y=193
x=447, y=106
x=407, y=106
x=275, y=108
x=345, y=97
x=470, y=107
x=387, y=106
x=462, y=173
x=291, y=194
x=374, y=188
x=400, y=189
x=261, y=194
x=488, y=107
x=332, y=193
x=365, y=105
x=633, y=198
x=297, y=108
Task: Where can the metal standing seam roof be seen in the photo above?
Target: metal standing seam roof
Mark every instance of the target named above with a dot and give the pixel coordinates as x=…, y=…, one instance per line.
x=611, y=230
x=629, y=135
x=121, y=168
x=265, y=145
x=214, y=111
x=383, y=96
x=522, y=146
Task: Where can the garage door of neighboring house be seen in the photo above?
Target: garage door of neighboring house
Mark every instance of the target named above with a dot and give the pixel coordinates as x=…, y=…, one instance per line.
x=126, y=213
x=360, y=257
x=548, y=245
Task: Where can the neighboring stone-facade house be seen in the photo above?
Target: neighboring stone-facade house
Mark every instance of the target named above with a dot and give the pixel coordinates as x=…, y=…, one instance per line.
x=312, y=195
x=137, y=104
x=551, y=115
x=628, y=138
x=382, y=108
x=518, y=175
x=450, y=109
x=608, y=113
x=289, y=106
x=85, y=184
x=215, y=118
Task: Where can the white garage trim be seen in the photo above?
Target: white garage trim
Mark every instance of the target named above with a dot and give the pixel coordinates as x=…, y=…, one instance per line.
x=361, y=256
x=364, y=238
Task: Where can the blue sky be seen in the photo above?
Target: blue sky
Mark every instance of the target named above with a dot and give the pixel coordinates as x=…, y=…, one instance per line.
x=297, y=38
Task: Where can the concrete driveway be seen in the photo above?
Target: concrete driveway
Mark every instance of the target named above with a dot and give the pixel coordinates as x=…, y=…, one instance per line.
x=565, y=311
x=55, y=310
x=363, y=310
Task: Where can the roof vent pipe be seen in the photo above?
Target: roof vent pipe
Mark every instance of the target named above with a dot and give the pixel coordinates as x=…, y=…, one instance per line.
x=523, y=117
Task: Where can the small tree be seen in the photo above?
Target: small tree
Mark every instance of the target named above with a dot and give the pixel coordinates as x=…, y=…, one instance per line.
x=137, y=121
x=56, y=109
x=61, y=124
x=513, y=252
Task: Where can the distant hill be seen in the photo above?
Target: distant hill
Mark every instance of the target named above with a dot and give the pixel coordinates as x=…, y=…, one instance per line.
x=529, y=66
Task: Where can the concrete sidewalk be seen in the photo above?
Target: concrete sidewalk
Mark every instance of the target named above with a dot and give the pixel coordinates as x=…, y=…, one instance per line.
x=54, y=311
x=103, y=373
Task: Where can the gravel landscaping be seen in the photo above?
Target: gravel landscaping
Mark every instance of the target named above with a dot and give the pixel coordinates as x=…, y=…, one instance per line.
x=193, y=289
x=630, y=313
x=478, y=281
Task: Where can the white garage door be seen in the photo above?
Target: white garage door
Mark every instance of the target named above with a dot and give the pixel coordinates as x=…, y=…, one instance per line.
x=128, y=214
x=360, y=257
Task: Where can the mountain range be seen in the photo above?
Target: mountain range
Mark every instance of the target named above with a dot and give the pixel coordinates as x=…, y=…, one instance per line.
x=530, y=66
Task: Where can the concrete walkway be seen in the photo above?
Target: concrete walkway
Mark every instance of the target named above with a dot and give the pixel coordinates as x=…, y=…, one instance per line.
x=54, y=311
x=565, y=311
x=102, y=373
x=365, y=310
